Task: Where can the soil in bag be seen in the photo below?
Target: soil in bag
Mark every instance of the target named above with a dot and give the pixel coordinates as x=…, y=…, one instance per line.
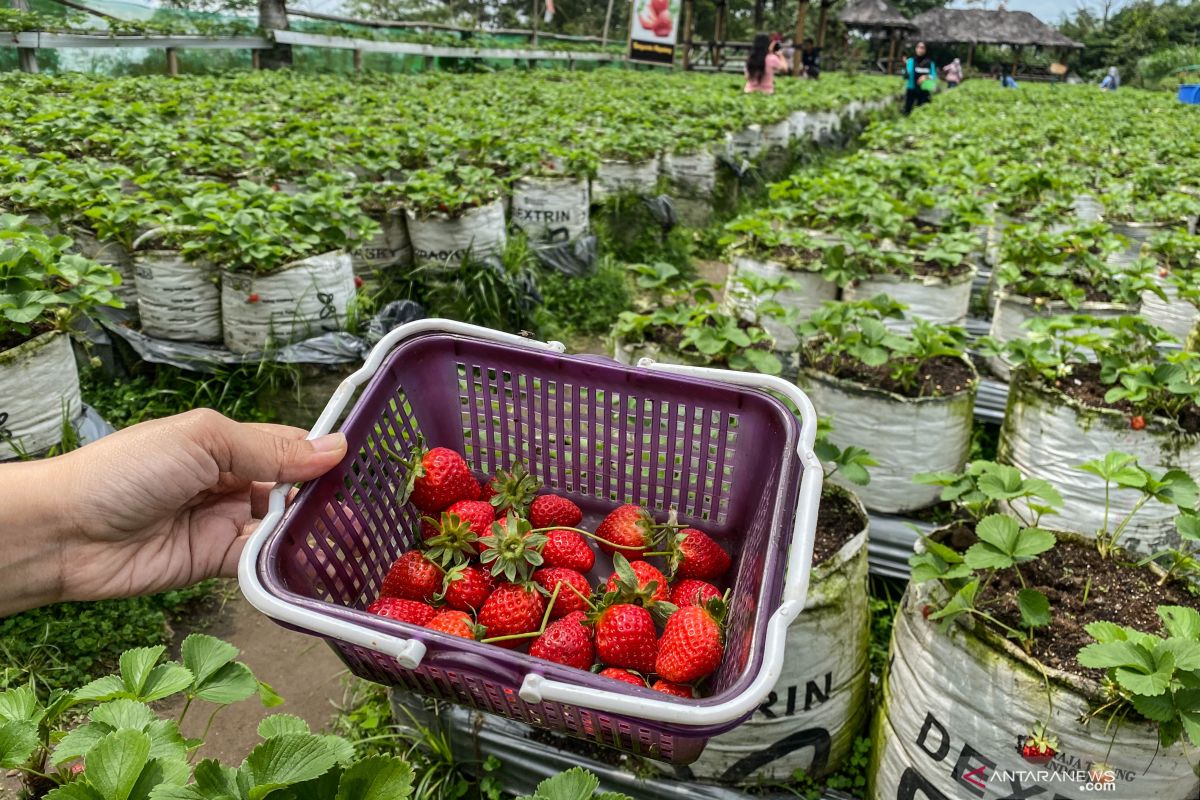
x=12, y=339
x=930, y=268
x=1084, y=385
x=938, y=377
x=837, y=523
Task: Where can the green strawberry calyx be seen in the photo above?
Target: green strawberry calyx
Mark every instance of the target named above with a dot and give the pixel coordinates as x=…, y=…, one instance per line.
x=513, y=550
x=455, y=542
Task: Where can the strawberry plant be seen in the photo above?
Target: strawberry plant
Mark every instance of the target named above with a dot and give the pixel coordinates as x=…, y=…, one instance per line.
x=1174, y=487
x=574, y=784
x=851, y=462
x=985, y=488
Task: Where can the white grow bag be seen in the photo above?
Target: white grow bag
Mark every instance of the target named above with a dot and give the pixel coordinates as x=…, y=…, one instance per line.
x=813, y=290
x=1174, y=315
x=176, y=299
x=799, y=124
x=747, y=143
x=302, y=299
x=1047, y=434
x=940, y=300
x=905, y=435
x=955, y=709
x=388, y=248
x=551, y=209
x=1014, y=310
x=617, y=176
x=38, y=385
x=1137, y=233
x=445, y=240
x=694, y=173
x=777, y=135
x=819, y=703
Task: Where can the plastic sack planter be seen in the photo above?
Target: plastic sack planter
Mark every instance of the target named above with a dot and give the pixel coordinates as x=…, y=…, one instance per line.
x=39, y=384
x=1174, y=315
x=299, y=300
x=551, y=209
x=906, y=435
x=812, y=290
x=777, y=135
x=1014, y=310
x=388, y=248
x=177, y=299
x=944, y=301
x=711, y=444
x=617, y=176
x=694, y=173
x=446, y=240
x=955, y=709
x=747, y=143
x=1046, y=433
x=817, y=708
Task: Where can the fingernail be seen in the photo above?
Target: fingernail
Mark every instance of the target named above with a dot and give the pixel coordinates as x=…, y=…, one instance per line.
x=329, y=443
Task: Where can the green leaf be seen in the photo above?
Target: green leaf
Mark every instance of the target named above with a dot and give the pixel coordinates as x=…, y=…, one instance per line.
x=77, y=790
x=18, y=740
x=1032, y=542
x=376, y=778
x=136, y=666
x=1000, y=532
x=115, y=763
x=160, y=772
x=204, y=655
x=1180, y=621
x=1104, y=632
x=124, y=713
x=78, y=742
x=268, y=696
x=1034, y=607
x=1160, y=708
x=281, y=725
x=19, y=705
x=342, y=750
x=1140, y=683
x=574, y=784
x=231, y=683
x=164, y=681
x=215, y=780
x=1184, y=652
x=961, y=602
x=106, y=688
x=982, y=555
x=285, y=760
x=1115, y=654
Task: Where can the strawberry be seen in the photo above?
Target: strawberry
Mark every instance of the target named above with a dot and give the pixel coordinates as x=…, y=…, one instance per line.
x=413, y=577
x=514, y=608
x=552, y=511
x=455, y=623
x=623, y=675
x=630, y=528
x=452, y=538
x=633, y=581
x=677, y=689
x=512, y=550
x=466, y=588
x=1138, y=422
x=410, y=611
x=1039, y=747
x=254, y=298
x=569, y=550
x=567, y=602
x=513, y=490
x=439, y=478
x=568, y=641
x=358, y=282
x=691, y=592
x=692, y=643
x=694, y=554
x=626, y=637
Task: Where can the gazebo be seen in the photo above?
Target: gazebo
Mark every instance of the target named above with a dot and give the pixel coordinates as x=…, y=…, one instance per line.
x=877, y=16
x=972, y=26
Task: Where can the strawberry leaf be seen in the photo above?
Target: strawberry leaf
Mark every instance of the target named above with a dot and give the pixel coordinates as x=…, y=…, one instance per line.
x=18, y=740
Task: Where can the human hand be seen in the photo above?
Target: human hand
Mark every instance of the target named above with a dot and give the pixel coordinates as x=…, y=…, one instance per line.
x=163, y=504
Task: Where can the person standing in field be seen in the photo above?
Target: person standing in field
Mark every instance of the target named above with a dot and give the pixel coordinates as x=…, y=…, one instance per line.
x=953, y=74
x=1111, y=81
x=810, y=60
x=919, y=73
x=762, y=64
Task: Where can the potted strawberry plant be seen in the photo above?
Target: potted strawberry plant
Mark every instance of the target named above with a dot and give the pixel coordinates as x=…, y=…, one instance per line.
x=390, y=247
x=628, y=164
x=42, y=289
x=907, y=397
x=550, y=206
x=1045, y=271
x=1009, y=608
x=1084, y=386
x=1146, y=201
x=454, y=212
x=1176, y=257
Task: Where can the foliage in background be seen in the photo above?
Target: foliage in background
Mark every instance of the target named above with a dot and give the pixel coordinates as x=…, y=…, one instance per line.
x=583, y=305
x=1141, y=29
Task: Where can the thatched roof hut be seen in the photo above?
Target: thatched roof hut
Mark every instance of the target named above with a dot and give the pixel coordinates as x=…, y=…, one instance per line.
x=981, y=26
x=869, y=15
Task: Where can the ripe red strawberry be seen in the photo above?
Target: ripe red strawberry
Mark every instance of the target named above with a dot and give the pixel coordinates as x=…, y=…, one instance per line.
x=513, y=490
x=646, y=574
x=692, y=643
x=477, y=514
x=569, y=550
x=567, y=601
x=513, y=608
x=694, y=554
x=626, y=637
x=623, y=675
x=358, y=282
x=455, y=623
x=677, y=689
x=414, y=577
x=439, y=478
x=568, y=641
x=454, y=536
x=552, y=511
x=410, y=611
x=466, y=588
x=1138, y=422
x=692, y=592
x=1039, y=747
x=254, y=298
x=630, y=528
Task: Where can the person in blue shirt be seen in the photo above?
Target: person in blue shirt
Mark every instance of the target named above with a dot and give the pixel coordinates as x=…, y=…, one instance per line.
x=1111, y=81
x=918, y=71
x=1006, y=80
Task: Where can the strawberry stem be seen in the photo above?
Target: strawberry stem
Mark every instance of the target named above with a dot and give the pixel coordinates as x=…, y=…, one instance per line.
x=579, y=594
x=531, y=634
x=588, y=534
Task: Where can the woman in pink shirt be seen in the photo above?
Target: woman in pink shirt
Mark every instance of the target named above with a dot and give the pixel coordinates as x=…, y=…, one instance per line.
x=762, y=64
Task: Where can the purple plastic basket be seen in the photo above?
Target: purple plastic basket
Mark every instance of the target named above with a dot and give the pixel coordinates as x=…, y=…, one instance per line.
x=730, y=459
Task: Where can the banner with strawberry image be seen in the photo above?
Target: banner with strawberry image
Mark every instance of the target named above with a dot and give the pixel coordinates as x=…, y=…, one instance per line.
x=654, y=30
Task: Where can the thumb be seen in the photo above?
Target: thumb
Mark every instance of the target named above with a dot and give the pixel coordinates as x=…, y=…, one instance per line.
x=276, y=453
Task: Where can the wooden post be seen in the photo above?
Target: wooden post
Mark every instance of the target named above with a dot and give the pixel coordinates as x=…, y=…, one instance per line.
x=719, y=33
x=970, y=55
x=428, y=61
x=798, y=39
x=172, y=62
x=26, y=55
x=255, y=59
x=688, y=21
x=535, y=20
x=892, y=37
x=821, y=23
x=272, y=16
x=607, y=22
x=1016, y=58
